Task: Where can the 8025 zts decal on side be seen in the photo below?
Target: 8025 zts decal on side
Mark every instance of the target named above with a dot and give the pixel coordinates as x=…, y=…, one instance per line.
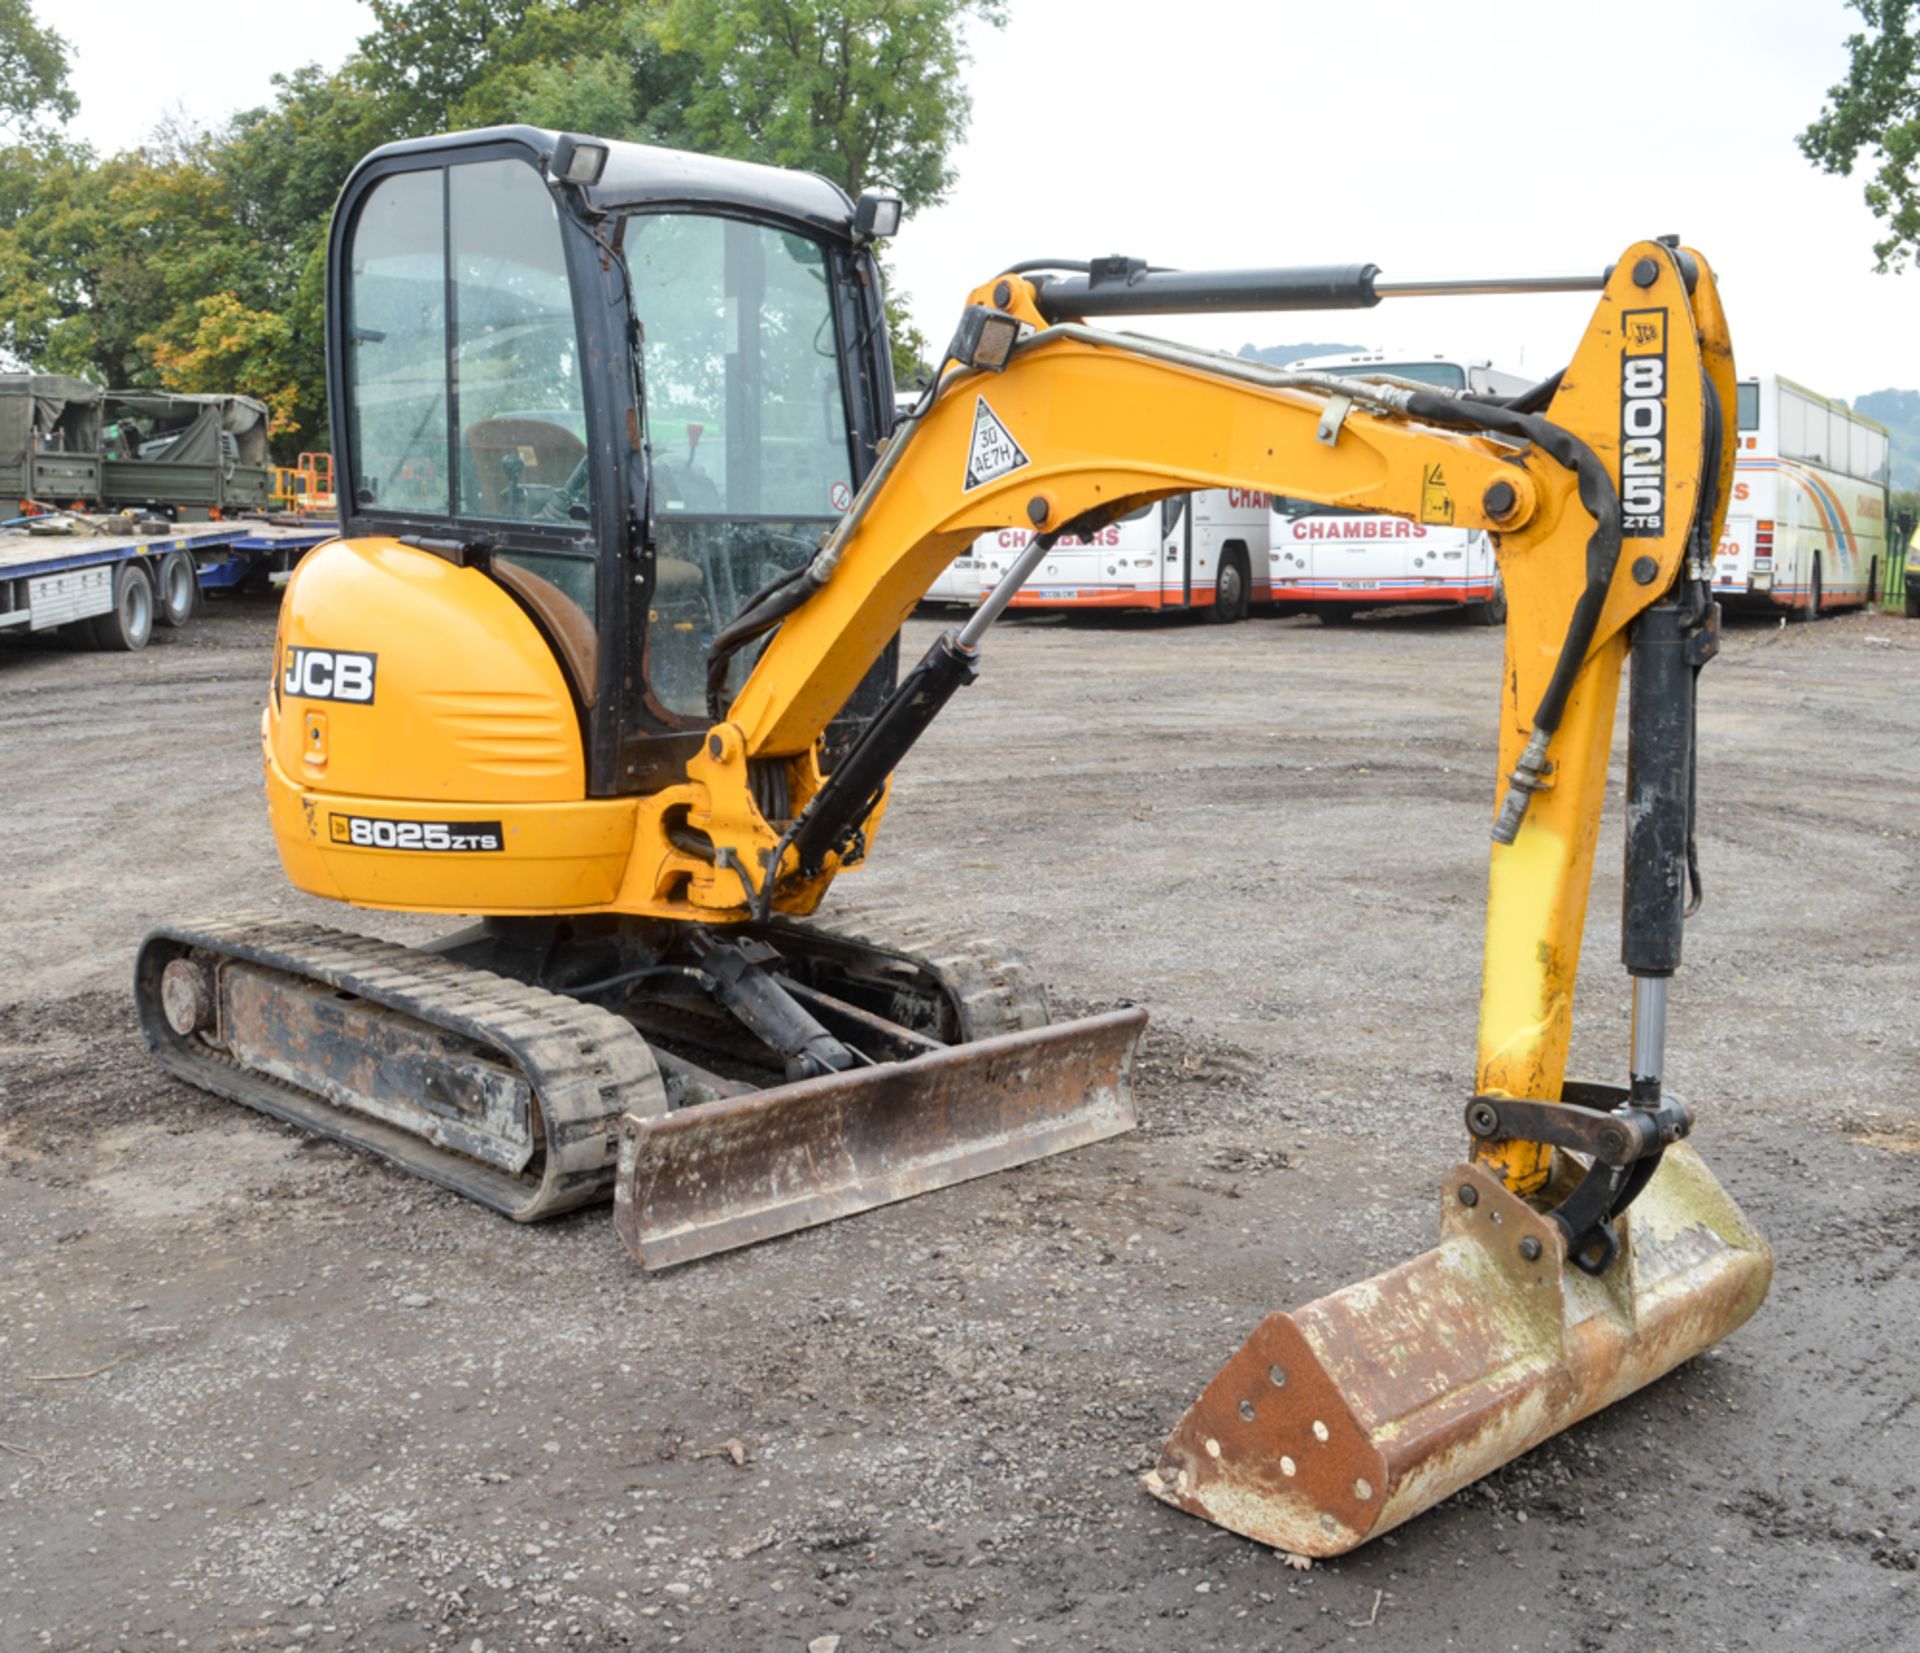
x=329, y=674
x=371, y=832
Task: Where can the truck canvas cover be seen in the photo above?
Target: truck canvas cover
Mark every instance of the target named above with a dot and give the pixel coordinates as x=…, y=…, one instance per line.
x=49, y=437
x=173, y=448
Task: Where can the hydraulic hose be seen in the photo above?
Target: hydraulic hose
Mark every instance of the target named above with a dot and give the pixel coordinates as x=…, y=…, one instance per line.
x=1602, y=502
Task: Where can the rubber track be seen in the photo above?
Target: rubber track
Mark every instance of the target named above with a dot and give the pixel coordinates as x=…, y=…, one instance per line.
x=586, y=1065
x=991, y=986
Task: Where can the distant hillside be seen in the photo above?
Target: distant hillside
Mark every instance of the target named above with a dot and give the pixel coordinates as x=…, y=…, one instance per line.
x=1899, y=411
x=1280, y=354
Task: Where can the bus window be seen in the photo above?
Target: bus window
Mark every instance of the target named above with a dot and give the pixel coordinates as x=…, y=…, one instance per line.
x=1748, y=403
x=1859, y=458
x=1171, y=510
x=1839, y=430
x=1793, y=426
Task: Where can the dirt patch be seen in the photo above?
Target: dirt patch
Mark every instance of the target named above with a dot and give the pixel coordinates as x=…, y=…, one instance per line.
x=335, y=1408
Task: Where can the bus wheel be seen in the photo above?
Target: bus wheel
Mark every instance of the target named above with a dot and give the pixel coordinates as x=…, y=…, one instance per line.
x=179, y=590
x=1493, y=612
x=126, y=626
x=1230, y=590
x=1335, y=614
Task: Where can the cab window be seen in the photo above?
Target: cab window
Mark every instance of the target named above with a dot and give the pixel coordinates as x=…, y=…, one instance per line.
x=746, y=425
x=463, y=358
x=516, y=355
x=396, y=344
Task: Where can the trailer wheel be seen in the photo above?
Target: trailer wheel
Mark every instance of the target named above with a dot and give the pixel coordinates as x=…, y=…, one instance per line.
x=179, y=589
x=1231, y=590
x=126, y=626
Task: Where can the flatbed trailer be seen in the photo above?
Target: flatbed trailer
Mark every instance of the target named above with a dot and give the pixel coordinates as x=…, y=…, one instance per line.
x=111, y=589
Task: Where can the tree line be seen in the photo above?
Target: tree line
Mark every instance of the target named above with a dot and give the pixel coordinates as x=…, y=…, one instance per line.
x=197, y=260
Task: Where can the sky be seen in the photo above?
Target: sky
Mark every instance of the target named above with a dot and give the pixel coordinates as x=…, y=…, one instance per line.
x=1430, y=137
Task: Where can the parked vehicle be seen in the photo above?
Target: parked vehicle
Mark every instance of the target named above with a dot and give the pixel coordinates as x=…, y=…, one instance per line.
x=49, y=442
x=1337, y=562
x=1204, y=551
x=1807, y=527
x=188, y=456
x=109, y=590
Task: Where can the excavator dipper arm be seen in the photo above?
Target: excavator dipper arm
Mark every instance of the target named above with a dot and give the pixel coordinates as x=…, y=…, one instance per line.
x=1546, y=1298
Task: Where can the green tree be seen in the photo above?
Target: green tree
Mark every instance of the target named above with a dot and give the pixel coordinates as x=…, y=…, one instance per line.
x=198, y=261
x=868, y=93
x=34, y=95
x=1877, y=108
x=865, y=92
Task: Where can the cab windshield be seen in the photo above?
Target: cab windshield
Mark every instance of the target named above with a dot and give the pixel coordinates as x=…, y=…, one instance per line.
x=746, y=425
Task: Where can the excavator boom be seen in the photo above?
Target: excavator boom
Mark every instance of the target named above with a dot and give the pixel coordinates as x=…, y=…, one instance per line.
x=1586, y=1249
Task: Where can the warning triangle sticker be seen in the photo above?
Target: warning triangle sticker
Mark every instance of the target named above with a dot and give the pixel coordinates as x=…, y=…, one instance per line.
x=993, y=453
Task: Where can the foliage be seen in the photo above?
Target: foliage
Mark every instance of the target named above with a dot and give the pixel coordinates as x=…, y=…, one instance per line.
x=228, y=344
x=198, y=261
x=865, y=92
x=34, y=95
x=1877, y=108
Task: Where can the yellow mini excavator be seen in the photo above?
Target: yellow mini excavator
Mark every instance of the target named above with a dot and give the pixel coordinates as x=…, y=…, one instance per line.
x=605, y=654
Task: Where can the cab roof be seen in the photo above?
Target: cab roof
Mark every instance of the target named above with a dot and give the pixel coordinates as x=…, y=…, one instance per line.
x=641, y=175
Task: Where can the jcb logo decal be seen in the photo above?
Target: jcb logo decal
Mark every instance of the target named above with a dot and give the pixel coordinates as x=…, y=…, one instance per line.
x=1643, y=424
x=329, y=674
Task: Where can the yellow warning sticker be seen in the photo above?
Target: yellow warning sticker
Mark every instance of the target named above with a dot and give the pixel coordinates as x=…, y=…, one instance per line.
x=1436, y=503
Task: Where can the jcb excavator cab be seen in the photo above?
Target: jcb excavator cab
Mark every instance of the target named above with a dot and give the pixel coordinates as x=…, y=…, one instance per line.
x=631, y=386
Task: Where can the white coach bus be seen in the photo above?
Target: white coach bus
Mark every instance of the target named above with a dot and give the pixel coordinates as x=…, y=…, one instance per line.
x=1204, y=551
x=1807, y=524
x=1337, y=562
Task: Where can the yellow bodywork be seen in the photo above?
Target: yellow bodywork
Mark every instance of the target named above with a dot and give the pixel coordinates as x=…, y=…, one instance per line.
x=472, y=722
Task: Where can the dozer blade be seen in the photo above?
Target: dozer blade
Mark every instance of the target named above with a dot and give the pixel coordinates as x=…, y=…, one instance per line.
x=1342, y=1420
x=732, y=1172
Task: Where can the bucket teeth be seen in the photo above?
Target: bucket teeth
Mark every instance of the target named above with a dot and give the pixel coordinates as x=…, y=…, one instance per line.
x=1357, y=1412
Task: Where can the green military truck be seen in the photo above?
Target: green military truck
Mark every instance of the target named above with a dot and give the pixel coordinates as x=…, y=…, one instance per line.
x=190, y=456
x=49, y=441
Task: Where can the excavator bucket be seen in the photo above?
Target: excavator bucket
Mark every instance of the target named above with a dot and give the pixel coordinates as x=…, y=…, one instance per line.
x=1347, y=1417
x=747, y=1168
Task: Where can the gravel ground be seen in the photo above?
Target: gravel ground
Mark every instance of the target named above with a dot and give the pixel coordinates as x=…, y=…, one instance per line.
x=260, y=1392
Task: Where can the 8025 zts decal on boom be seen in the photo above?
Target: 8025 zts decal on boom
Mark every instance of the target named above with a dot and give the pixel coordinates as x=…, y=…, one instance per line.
x=1643, y=424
